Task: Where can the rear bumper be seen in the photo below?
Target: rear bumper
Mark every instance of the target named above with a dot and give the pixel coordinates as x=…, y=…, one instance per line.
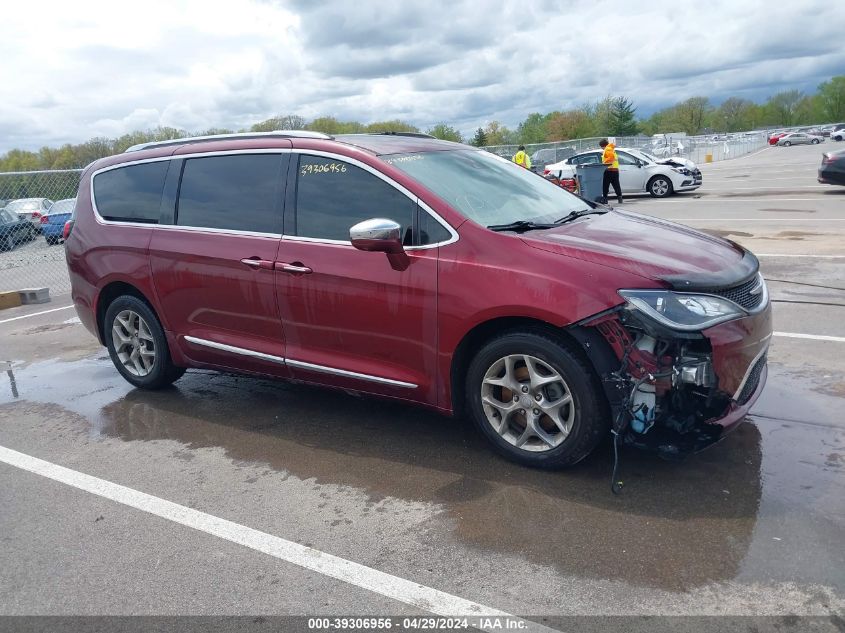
x=831, y=177
x=52, y=230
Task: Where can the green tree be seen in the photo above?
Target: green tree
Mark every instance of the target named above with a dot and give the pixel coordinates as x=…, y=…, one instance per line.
x=832, y=98
x=784, y=106
x=498, y=134
x=734, y=114
x=533, y=128
x=394, y=125
x=445, y=132
x=480, y=138
x=622, y=117
x=691, y=114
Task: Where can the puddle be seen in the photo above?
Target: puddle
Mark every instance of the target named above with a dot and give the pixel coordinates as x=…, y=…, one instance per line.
x=676, y=525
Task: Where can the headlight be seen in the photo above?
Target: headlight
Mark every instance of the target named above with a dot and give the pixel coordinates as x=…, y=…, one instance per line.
x=683, y=170
x=682, y=311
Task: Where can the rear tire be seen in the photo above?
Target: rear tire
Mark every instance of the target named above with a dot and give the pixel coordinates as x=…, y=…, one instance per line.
x=555, y=413
x=815, y=141
x=660, y=187
x=8, y=243
x=137, y=344
x=51, y=241
x=787, y=143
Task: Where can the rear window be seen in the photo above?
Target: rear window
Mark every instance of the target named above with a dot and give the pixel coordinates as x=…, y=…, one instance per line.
x=63, y=206
x=131, y=193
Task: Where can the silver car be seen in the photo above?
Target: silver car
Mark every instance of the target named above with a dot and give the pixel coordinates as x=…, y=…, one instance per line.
x=30, y=209
x=800, y=138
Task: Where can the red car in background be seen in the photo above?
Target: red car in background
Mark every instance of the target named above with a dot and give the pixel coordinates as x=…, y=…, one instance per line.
x=423, y=271
x=774, y=138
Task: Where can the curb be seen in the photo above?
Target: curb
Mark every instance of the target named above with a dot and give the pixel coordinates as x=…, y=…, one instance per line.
x=25, y=296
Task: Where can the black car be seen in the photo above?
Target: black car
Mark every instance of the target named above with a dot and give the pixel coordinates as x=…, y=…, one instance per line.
x=14, y=230
x=832, y=169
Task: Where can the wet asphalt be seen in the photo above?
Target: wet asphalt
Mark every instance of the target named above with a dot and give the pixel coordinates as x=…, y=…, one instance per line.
x=752, y=526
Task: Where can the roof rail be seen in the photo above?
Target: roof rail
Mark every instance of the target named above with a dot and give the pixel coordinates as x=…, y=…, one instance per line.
x=414, y=134
x=226, y=137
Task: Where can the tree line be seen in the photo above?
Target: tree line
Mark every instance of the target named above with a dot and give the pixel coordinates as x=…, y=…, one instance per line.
x=611, y=116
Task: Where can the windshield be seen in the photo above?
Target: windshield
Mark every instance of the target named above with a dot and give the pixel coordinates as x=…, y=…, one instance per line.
x=24, y=205
x=641, y=154
x=63, y=206
x=488, y=189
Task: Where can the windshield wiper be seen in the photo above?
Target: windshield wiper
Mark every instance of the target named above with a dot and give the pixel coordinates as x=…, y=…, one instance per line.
x=520, y=226
x=574, y=215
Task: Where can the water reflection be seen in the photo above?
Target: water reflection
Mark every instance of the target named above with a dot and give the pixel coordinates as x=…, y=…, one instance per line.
x=677, y=525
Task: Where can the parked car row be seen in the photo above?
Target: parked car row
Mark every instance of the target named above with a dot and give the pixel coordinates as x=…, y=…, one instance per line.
x=24, y=219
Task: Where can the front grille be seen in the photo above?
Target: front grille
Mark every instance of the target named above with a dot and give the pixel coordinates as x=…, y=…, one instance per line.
x=752, y=381
x=742, y=294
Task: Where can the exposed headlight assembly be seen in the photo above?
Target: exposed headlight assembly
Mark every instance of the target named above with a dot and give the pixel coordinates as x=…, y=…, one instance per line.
x=682, y=311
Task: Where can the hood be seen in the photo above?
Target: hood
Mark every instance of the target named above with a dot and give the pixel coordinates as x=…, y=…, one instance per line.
x=676, y=161
x=673, y=255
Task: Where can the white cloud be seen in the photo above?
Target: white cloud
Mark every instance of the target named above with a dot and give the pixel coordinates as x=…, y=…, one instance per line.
x=71, y=72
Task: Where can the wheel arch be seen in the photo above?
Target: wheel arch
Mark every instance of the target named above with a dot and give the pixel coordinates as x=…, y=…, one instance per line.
x=108, y=294
x=485, y=331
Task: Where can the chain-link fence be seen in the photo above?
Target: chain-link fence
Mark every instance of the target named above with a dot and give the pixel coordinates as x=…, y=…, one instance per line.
x=699, y=149
x=31, y=252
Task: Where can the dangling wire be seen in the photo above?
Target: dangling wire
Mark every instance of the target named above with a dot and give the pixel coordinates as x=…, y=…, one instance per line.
x=615, y=485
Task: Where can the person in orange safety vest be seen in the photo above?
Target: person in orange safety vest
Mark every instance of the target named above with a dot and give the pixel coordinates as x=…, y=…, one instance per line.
x=611, y=174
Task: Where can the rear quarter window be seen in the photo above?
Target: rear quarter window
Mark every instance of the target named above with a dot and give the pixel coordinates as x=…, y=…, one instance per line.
x=131, y=193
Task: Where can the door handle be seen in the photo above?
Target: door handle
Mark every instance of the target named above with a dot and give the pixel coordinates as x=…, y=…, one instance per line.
x=296, y=268
x=257, y=263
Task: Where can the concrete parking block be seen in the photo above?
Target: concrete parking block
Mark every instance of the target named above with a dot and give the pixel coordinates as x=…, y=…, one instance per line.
x=28, y=296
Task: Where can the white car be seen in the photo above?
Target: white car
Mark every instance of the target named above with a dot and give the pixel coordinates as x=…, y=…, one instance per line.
x=639, y=172
x=838, y=135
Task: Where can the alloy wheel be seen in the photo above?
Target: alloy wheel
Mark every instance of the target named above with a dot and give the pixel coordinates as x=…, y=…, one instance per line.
x=660, y=187
x=527, y=402
x=133, y=343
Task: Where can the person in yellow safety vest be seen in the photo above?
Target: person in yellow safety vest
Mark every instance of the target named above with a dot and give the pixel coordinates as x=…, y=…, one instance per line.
x=611, y=174
x=521, y=158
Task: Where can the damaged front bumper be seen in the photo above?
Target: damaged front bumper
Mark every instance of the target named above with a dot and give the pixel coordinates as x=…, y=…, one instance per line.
x=677, y=392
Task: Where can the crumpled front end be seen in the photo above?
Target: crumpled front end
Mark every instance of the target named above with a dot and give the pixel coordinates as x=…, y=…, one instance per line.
x=677, y=392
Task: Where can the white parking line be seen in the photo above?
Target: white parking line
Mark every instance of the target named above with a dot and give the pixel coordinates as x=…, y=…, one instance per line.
x=799, y=255
x=773, y=220
x=379, y=582
x=710, y=198
x=814, y=337
x=34, y=314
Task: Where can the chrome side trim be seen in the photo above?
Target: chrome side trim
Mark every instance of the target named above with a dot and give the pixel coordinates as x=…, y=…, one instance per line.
x=750, y=367
x=234, y=350
x=349, y=374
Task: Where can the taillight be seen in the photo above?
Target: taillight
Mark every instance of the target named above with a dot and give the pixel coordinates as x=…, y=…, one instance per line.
x=68, y=228
x=36, y=214
x=44, y=219
x=546, y=172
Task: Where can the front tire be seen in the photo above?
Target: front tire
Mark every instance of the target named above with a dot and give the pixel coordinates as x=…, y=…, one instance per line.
x=815, y=141
x=660, y=187
x=536, y=400
x=137, y=344
x=787, y=143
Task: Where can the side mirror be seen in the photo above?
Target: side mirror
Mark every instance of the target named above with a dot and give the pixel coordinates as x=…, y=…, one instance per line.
x=377, y=234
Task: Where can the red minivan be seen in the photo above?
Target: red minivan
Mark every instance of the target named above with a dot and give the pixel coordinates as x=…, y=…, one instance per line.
x=425, y=271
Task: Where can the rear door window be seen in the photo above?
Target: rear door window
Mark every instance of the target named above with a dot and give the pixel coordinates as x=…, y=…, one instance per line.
x=131, y=193
x=240, y=192
x=333, y=195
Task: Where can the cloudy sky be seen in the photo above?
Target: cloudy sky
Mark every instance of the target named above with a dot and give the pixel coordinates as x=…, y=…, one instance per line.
x=74, y=70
